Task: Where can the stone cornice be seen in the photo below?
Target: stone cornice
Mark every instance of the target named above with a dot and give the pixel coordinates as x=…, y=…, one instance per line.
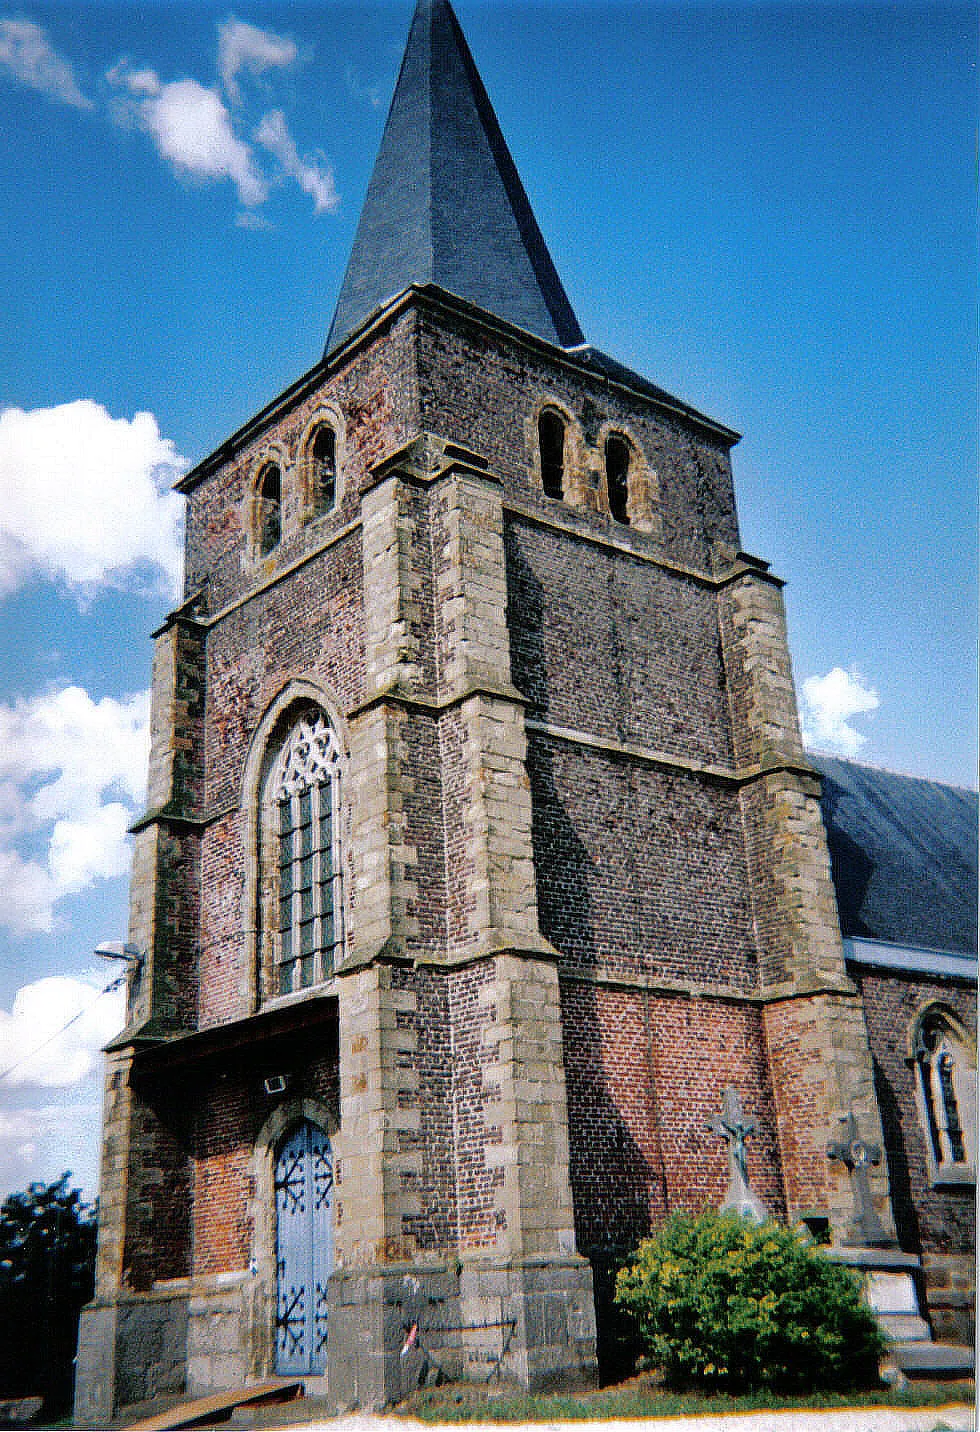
x=395, y=695
x=727, y=774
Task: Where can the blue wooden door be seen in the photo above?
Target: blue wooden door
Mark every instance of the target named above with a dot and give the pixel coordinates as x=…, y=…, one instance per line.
x=304, y=1248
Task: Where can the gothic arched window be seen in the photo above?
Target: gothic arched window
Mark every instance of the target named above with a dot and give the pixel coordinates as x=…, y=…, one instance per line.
x=617, y=477
x=551, y=449
x=323, y=469
x=945, y=1090
x=302, y=908
x=269, y=509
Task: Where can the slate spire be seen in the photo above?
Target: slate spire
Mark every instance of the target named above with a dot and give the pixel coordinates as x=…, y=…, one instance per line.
x=445, y=204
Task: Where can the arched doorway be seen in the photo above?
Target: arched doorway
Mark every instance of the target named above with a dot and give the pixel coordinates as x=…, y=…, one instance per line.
x=304, y=1247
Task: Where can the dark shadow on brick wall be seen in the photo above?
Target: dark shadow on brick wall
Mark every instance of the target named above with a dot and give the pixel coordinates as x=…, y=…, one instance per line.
x=613, y=1183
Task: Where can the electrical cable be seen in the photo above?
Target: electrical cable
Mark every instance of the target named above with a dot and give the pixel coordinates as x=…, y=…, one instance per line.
x=114, y=984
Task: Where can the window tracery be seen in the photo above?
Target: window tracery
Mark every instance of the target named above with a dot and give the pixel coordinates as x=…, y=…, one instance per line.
x=945, y=1089
x=303, y=914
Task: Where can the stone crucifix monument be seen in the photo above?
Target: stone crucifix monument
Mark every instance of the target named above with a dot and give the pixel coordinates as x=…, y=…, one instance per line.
x=734, y=1127
x=857, y=1156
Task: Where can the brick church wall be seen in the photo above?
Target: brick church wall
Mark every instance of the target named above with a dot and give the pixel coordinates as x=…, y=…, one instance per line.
x=376, y=391
x=640, y=870
x=226, y=1116
x=475, y=383
x=646, y=1074
x=939, y=1220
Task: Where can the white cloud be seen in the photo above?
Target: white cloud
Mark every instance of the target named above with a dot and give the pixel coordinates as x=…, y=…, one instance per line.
x=85, y=497
x=26, y=52
x=829, y=702
x=198, y=135
x=38, y=1142
x=29, y=895
x=245, y=47
x=373, y=94
x=315, y=179
x=193, y=130
x=35, y=1045
x=72, y=772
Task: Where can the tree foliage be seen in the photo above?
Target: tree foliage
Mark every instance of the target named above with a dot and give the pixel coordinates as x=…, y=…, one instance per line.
x=722, y=1303
x=47, y=1274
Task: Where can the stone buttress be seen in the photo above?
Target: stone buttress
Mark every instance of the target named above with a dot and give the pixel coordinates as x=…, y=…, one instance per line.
x=515, y=1296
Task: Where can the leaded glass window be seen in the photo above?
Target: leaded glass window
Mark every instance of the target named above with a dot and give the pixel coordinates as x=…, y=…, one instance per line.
x=307, y=917
x=945, y=1083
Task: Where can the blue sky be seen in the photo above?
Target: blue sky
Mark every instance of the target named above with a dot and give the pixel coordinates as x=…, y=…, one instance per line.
x=767, y=209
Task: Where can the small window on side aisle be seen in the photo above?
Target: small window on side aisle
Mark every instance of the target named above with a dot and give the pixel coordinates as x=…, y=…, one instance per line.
x=947, y=1077
x=551, y=444
x=269, y=512
x=617, y=478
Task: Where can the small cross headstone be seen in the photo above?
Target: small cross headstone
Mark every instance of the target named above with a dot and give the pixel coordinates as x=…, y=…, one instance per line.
x=735, y=1128
x=857, y=1156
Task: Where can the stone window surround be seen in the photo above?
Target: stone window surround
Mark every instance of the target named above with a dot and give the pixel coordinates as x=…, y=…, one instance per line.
x=271, y=455
x=324, y=415
x=584, y=477
x=575, y=474
x=643, y=486
x=945, y=1172
x=297, y=498
x=258, y=919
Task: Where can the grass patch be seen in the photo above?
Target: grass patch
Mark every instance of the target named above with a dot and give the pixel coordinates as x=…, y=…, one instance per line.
x=641, y=1397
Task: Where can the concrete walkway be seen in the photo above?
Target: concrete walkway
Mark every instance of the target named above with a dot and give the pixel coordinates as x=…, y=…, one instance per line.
x=956, y=1417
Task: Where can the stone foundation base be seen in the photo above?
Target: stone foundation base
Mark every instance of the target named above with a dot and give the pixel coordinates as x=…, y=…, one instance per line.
x=530, y=1324
x=130, y=1349
x=950, y=1289
x=183, y=1338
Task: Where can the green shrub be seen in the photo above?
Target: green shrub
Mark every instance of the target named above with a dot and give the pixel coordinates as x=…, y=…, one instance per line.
x=725, y=1304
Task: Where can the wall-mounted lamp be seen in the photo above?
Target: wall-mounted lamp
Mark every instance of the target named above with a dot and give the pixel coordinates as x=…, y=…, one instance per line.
x=276, y=1084
x=118, y=950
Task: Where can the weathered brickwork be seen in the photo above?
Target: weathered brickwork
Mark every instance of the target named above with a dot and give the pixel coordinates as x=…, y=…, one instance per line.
x=646, y=1074
x=376, y=391
x=659, y=680
x=821, y=1070
x=641, y=871
x=585, y=886
x=309, y=624
x=936, y=1219
x=478, y=383
x=476, y=1100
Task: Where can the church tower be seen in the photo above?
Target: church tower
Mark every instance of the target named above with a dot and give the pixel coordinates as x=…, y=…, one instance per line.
x=481, y=854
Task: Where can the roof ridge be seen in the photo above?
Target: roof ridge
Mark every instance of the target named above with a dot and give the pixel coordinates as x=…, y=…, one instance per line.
x=890, y=771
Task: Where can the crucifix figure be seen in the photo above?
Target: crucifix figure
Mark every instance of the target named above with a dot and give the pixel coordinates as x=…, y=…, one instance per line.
x=735, y=1128
x=857, y=1156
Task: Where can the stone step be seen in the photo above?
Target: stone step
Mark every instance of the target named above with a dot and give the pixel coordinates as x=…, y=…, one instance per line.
x=904, y=1327
x=931, y=1359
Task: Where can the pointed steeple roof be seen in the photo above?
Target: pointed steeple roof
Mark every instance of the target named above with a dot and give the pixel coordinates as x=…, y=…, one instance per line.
x=445, y=204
